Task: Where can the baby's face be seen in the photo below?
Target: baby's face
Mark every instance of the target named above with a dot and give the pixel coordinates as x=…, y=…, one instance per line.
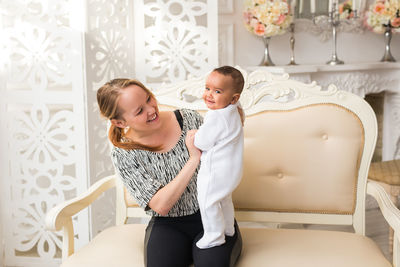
x=219, y=92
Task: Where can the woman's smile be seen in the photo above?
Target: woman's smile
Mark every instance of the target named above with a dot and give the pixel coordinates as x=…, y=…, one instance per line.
x=153, y=118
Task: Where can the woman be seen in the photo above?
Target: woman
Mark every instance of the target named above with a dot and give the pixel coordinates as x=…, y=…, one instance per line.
x=157, y=161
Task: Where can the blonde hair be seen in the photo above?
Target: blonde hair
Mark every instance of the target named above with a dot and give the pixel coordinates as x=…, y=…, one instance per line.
x=107, y=99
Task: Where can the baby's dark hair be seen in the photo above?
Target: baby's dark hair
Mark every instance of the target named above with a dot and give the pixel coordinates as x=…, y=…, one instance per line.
x=235, y=74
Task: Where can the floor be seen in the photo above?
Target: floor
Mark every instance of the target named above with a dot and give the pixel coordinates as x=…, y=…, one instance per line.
x=376, y=226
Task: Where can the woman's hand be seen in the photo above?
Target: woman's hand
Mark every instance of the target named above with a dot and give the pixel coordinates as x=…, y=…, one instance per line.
x=194, y=152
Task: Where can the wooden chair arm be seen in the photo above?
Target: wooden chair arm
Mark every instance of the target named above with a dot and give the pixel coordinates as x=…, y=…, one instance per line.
x=391, y=214
x=60, y=216
x=56, y=217
x=389, y=211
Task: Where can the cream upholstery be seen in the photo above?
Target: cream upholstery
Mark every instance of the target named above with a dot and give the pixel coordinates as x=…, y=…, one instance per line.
x=306, y=159
x=305, y=248
x=123, y=246
x=312, y=140
x=120, y=246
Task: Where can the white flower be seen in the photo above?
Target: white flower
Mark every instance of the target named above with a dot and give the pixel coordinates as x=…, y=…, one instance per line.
x=273, y=15
x=380, y=13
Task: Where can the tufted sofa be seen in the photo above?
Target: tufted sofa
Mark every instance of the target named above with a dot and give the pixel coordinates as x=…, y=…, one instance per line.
x=306, y=159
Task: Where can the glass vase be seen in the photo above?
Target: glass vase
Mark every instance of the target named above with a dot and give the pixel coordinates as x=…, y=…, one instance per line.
x=266, y=61
x=387, y=57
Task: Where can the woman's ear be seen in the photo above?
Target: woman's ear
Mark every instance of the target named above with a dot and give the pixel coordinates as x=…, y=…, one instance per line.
x=118, y=123
x=235, y=98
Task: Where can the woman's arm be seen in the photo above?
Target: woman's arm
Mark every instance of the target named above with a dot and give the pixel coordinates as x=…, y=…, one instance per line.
x=167, y=196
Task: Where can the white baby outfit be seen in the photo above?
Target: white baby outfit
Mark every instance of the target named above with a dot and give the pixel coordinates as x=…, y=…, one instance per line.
x=220, y=138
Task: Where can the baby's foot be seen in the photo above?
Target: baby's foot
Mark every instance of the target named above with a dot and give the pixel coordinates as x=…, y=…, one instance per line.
x=210, y=240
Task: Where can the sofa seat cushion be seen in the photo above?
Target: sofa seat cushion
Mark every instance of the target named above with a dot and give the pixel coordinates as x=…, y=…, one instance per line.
x=305, y=248
x=120, y=246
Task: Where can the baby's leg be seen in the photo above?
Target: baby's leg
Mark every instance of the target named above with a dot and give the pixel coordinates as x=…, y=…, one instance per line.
x=213, y=224
x=228, y=212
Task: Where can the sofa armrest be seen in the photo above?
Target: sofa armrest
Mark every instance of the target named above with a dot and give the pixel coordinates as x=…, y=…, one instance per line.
x=60, y=216
x=391, y=214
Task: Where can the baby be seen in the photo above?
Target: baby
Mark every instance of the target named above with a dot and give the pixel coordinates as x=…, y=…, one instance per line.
x=220, y=139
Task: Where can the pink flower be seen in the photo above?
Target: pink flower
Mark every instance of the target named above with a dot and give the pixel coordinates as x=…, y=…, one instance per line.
x=379, y=8
x=395, y=22
x=281, y=19
x=247, y=17
x=259, y=29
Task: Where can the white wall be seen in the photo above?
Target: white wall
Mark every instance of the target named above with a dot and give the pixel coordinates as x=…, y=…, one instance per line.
x=1, y=235
x=351, y=47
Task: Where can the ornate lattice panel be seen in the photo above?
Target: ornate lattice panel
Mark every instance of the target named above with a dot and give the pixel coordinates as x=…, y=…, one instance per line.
x=49, y=76
x=109, y=53
x=43, y=139
x=175, y=39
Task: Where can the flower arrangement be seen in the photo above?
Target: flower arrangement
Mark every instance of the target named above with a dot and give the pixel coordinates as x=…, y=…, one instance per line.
x=267, y=18
x=345, y=10
x=382, y=14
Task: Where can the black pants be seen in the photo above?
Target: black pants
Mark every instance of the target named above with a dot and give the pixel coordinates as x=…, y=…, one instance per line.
x=171, y=242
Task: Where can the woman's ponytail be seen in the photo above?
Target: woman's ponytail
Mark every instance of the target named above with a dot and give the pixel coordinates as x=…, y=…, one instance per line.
x=115, y=135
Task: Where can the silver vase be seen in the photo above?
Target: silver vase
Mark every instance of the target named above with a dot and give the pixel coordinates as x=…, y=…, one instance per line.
x=266, y=61
x=387, y=57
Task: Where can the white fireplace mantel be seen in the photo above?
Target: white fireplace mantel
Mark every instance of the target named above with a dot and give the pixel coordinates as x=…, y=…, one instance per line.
x=361, y=79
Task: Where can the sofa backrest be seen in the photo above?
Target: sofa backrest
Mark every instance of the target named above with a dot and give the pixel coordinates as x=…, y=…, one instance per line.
x=304, y=159
x=307, y=151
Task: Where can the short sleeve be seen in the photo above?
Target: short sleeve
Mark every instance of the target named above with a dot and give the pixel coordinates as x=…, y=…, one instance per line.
x=210, y=132
x=137, y=180
x=192, y=119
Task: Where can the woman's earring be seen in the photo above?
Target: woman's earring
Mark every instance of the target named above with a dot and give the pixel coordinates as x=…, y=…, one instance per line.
x=126, y=129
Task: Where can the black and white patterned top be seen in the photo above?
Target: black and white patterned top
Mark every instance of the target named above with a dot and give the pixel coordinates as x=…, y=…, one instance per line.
x=145, y=172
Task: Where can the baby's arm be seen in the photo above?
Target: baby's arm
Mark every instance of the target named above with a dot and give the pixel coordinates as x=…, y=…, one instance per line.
x=210, y=131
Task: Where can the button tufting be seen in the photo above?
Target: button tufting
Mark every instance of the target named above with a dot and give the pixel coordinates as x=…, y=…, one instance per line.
x=280, y=175
x=325, y=137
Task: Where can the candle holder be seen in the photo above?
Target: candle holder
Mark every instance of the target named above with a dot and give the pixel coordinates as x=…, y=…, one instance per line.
x=335, y=22
x=292, y=42
x=320, y=23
